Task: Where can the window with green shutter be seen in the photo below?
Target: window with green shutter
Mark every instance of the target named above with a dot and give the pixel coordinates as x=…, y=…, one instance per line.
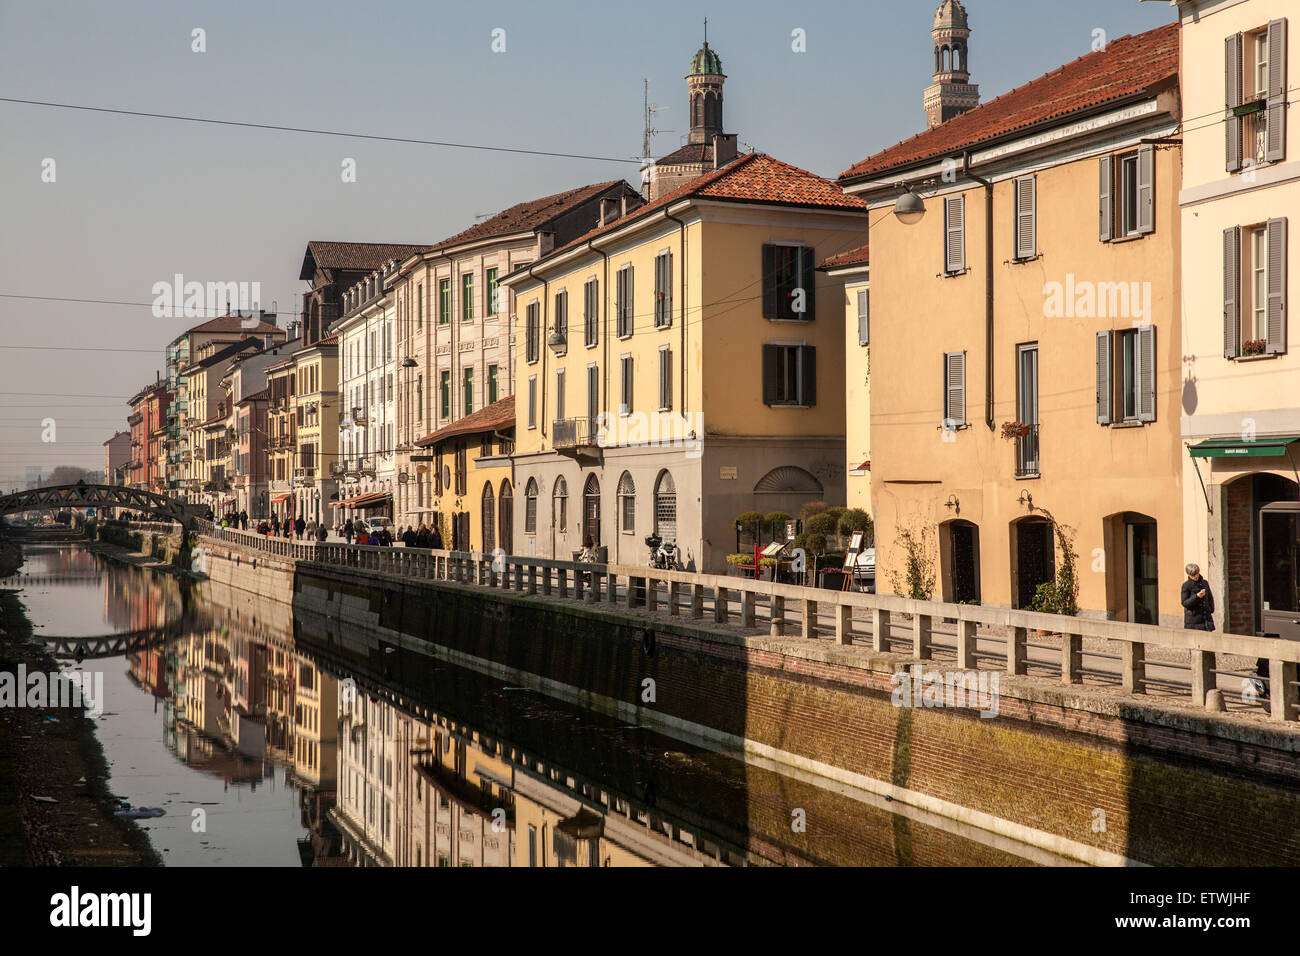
x=492, y=384
x=445, y=394
x=493, y=306
x=444, y=301
x=468, y=390
x=467, y=297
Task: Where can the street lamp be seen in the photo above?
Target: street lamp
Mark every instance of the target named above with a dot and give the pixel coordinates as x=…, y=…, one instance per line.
x=909, y=208
x=409, y=362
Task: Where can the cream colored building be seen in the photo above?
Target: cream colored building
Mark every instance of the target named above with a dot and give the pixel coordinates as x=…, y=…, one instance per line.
x=1026, y=369
x=1240, y=377
x=317, y=430
x=669, y=379
x=853, y=270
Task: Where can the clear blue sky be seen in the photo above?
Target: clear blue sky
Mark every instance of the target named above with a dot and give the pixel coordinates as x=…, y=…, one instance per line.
x=138, y=199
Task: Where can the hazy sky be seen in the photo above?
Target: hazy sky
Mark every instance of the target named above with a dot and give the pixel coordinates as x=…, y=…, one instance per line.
x=138, y=199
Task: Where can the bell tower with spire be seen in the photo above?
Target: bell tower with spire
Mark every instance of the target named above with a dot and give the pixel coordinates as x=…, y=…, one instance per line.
x=704, y=88
x=951, y=93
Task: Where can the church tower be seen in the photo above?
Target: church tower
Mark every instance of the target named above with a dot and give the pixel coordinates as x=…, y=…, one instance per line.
x=704, y=89
x=951, y=93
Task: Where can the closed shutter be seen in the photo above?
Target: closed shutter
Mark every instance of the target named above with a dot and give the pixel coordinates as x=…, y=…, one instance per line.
x=807, y=282
x=1232, y=99
x=559, y=395
x=1105, y=199
x=1275, y=104
x=771, y=369
x=954, y=229
x=665, y=379
x=807, y=375
x=1146, y=192
x=1103, y=378
x=954, y=390
x=593, y=399
x=1026, y=217
x=864, y=318
x=625, y=404
x=1232, y=292
x=629, y=313
x=769, y=283
x=590, y=302
x=1276, y=231
x=532, y=403
x=1146, y=373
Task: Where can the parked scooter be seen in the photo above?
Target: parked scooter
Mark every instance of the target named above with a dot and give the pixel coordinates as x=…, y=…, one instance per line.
x=663, y=556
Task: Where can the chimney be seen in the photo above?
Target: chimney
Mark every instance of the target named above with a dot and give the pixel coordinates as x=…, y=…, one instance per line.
x=623, y=205
x=724, y=149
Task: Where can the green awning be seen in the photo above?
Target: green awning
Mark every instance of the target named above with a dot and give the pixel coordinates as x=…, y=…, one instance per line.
x=1235, y=448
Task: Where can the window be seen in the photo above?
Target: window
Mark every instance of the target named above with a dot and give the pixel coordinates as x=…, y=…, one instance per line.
x=593, y=400
x=444, y=393
x=559, y=394
x=666, y=507
x=623, y=301
x=1027, y=409
x=444, y=301
x=789, y=375
x=562, y=320
x=1255, y=88
x=419, y=313
x=1127, y=194
x=532, y=401
x=531, y=332
x=1254, y=289
x=1126, y=390
x=665, y=379
x=626, y=504
x=954, y=234
x=954, y=390
x=560, y=504
x=591, y=312
x=864, y=317
x=492, y=384
x=1026, y=217
x=625, y=399
x=468, y=390
x=530, y=509
x=789, y=282
x=419, y=399
x=663, y=290
x=493, y=291
x=467, y=297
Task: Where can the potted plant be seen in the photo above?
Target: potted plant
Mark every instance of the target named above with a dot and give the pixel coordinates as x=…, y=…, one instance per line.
x=1014, y=430
x=1254, y=347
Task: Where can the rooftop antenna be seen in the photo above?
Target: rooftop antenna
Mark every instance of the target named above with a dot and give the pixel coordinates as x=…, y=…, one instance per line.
x=649, y=133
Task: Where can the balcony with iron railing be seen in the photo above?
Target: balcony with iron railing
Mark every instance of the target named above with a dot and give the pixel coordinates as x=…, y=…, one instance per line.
x=135, y=419
x=575, y=436
x=1254, y=133
x=1027, y=452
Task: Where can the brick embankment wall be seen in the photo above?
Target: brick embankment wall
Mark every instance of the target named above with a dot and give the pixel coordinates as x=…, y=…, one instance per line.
x=1100, y=784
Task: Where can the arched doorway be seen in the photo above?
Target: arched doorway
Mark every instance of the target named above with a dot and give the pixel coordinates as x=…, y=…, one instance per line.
x=666, y=507
x=488, y=517
x=559, y=514
x=530, y=507
x=959, y=546
x=591, y=510
x=1033, y=558
x=506, y=517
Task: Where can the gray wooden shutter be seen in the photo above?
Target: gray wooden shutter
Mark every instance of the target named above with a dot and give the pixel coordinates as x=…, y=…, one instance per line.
x=808, y=282
x=559, y=394
x=1232, y=99
x=1026, y=217
x=954, y=389
x=593, y=398
x=954, y=222
x=668, y=290
x=629, y=303
x=771, y=362
x=625, y=406
x=1275, y=230
x=665, y=378
x=1105, y=202
x=807, y=373
x=1275, y=104
x=1146, y=373
x=1103, y=378
x=864, y=318
x=1146, y=191
x=769, y=283
x=1232, y=292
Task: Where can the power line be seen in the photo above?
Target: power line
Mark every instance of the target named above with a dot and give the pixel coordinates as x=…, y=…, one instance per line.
x=316, y=132
x=217, y=313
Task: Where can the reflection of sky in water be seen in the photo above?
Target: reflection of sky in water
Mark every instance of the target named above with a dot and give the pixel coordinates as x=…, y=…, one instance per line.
x=247, y=824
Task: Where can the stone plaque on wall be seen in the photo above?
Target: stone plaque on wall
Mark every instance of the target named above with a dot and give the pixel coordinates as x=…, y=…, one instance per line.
x=727, y=472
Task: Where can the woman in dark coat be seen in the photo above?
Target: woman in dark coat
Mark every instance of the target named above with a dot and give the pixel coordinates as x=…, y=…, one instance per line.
x=1198, y=602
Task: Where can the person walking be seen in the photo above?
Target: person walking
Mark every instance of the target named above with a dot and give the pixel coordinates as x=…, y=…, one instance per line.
x=243, y=520
x=275, y=526
x=322, y=535
x=1198, y=602
x=408, y=537
x=348, y=530
x=435, y=539
x=299, y=527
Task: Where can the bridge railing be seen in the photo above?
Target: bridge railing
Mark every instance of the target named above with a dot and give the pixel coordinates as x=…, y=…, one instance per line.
x=879, y=618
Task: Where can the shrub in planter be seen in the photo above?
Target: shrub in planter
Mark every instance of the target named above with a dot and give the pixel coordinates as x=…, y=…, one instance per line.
x=822, y=524
x=740, y=560
x=854, y=520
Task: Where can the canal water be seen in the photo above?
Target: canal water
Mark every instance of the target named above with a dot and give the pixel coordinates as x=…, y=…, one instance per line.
x=268, y=741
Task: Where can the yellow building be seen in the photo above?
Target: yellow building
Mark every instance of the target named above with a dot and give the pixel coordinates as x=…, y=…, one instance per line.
x=1241, y=381
x=852, y=269
x=669, y=380
x=282, y=431
x=1027, y=339
x=472, y=497
x=316, y=368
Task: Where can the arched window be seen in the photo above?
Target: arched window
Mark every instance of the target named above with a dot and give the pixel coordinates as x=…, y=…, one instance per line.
x=506, y=516
x=947, y=59
x=591, y=510
x=666, y=507
x=956, y=58
x=626, y=504
x=489, y=518
x=560, y=505
x=938, y=60
x=530, y=507
x=711, y=110
x=697, y=110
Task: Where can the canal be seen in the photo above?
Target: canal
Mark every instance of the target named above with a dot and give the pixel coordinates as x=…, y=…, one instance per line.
x=267, y=742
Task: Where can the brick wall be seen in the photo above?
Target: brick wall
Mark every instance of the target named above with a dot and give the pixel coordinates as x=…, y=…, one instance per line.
x=1237, y=606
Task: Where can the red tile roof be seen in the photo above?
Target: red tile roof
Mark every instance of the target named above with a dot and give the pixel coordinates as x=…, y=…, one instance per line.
x=500, y=414
x=1129, y=66
x=753, y=177
x=690, y=153
x=524, y=216
x=852, y=257
x=331, y=339
x=234, y=323
x=366, y=256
